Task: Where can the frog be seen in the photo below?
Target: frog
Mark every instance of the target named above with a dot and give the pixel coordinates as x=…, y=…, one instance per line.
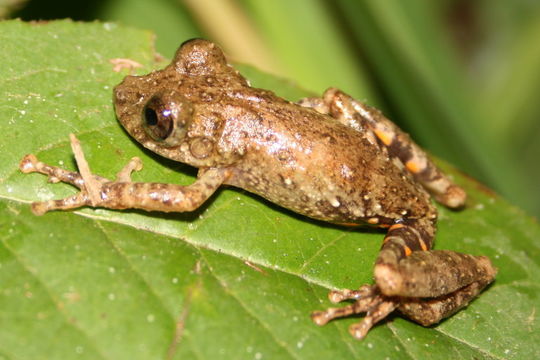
x=331, y=158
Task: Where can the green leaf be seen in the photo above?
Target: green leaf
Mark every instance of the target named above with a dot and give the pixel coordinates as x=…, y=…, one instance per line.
x=314, y=49
x=237, y=278
x=167, y=18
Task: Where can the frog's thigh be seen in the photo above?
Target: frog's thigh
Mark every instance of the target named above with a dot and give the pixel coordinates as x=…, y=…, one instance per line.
x=406, y=267
x=364, y=118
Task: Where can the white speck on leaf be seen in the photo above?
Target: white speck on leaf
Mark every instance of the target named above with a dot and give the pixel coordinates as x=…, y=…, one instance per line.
x=109, y=26
x=44, y=194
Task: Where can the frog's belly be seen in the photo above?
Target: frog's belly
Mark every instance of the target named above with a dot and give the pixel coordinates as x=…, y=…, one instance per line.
x=377, y=200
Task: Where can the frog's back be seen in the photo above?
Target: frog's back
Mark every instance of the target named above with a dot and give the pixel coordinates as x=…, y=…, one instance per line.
x=314, y=165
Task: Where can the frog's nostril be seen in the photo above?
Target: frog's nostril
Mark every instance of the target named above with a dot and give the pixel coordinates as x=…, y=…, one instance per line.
x=119, y=95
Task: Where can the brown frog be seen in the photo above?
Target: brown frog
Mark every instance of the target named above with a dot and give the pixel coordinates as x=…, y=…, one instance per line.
x=331, y=158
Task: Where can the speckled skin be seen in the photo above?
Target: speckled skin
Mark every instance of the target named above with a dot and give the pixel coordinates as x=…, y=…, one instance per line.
x=306, y=161
x=331, y=158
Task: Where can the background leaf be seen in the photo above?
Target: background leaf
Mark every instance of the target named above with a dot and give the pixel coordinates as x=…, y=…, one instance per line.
x=235, y=279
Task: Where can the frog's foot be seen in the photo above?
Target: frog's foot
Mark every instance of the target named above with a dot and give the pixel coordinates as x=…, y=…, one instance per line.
x=369, y=300
x=30, y=164
x=425, y=285
x=89, y=184
x=376, y=306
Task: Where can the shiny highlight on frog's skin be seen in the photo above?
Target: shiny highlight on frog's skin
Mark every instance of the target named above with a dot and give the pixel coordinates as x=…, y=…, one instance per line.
x=331, y=158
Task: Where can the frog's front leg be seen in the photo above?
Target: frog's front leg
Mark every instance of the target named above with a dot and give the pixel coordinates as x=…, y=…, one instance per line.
x=122, y=193
x=425, y=285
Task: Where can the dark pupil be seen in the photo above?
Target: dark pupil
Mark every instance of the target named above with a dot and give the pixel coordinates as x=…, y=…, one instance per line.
x=158, y=120
x=150, y=117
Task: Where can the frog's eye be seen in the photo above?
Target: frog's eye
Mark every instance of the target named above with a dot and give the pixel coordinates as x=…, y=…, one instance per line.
x=157, y=119
x=165, y=117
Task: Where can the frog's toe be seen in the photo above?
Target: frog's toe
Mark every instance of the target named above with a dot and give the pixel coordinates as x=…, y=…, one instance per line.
x=31, y=164
x=374, y=314
x=134, y=164
x=28, y=164
x=364, y=291
x=71, y=202
x=364, y=300
x=40, y=207
x=454, y=197
x=368, y=300
x=323, y=317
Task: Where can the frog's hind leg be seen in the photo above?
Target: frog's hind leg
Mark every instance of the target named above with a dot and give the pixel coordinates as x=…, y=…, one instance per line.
x=364, y=118
x=425, y=285
x=432, y=284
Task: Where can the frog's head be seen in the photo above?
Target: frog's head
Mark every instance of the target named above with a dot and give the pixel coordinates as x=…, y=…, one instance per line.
x=159, y=109
x=156, y=117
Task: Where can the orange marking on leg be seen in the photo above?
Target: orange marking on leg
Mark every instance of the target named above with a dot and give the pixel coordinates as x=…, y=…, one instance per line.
x=385, y=137
x=396, y=226
x=422, y=244
x=413, y=166
x=407, y=249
